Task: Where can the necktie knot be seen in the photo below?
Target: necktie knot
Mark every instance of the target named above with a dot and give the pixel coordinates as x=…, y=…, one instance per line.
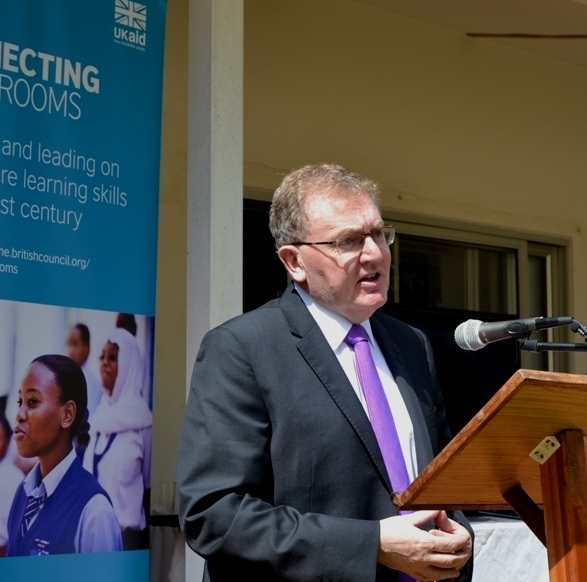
x=356, y=334
x=31, y=509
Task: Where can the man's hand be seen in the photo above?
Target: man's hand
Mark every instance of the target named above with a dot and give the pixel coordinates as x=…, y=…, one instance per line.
x=437, y=554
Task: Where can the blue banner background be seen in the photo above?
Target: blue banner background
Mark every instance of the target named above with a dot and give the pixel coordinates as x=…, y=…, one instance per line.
x=103, y=255
x=111, y=567
x=114, y=230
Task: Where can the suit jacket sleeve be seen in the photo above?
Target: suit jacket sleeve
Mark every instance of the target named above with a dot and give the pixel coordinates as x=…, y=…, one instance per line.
x=225, y=482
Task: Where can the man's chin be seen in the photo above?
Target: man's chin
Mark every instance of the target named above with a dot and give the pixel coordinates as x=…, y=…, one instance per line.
x=373, y=300
x=363, y=310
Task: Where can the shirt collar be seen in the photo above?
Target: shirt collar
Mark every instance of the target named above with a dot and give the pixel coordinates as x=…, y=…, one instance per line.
x=34, y=485
x=333, y=325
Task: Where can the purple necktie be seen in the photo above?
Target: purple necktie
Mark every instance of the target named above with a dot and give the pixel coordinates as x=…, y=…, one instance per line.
x=378, y=407
x=379, y=413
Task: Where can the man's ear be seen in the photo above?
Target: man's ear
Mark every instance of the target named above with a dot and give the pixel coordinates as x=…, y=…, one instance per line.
x=291, y=258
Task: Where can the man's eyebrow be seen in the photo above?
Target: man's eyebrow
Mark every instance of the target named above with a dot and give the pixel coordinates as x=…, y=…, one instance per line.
x=357, y=231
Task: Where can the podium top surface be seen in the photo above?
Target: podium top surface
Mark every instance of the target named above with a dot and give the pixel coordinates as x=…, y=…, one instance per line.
x=492, y=452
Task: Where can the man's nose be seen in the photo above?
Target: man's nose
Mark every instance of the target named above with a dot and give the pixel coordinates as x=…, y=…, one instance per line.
x=370, y=247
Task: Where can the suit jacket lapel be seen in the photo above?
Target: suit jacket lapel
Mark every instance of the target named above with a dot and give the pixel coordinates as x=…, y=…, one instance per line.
x=313, y=346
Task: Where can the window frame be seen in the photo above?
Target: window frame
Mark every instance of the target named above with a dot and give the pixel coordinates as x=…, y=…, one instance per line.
x=523, y=244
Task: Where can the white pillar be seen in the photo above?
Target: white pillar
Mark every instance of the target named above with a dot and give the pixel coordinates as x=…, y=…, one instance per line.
x=215, y=182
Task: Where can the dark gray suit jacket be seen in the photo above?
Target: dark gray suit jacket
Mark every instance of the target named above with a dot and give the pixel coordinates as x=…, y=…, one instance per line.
x=279, y=473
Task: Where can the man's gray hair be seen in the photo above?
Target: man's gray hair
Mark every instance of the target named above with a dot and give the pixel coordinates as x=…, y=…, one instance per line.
x=287, y=217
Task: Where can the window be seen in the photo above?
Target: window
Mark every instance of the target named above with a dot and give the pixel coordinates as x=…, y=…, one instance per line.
x=444, y=275
x=439, y=273
x=547, y=285
x=449, y=267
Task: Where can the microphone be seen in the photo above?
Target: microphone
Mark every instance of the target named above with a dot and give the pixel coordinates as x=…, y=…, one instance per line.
x=474, y=334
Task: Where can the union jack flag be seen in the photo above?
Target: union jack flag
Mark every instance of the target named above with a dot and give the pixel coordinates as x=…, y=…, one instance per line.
x=130, y=14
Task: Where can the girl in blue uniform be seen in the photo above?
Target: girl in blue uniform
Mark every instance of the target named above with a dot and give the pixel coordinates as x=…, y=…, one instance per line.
x=59, y=508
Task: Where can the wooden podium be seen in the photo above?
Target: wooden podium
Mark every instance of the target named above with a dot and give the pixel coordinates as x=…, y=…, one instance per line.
x=508, y=456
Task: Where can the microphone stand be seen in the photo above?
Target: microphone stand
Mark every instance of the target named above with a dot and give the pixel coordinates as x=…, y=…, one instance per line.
x=538, y=346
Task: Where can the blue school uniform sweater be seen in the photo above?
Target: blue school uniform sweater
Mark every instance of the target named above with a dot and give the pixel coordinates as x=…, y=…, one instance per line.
x=54, y=529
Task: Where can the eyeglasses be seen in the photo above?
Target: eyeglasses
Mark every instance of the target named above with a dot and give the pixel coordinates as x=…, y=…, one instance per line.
x=352, y=244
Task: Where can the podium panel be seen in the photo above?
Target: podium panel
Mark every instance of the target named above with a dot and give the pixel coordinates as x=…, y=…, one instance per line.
x=491, y=454
x=524, y=449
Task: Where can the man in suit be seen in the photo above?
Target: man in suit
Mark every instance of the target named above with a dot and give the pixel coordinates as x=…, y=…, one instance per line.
x=280, y=474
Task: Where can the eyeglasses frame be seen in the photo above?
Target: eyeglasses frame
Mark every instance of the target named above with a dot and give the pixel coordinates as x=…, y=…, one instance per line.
x=363, y=234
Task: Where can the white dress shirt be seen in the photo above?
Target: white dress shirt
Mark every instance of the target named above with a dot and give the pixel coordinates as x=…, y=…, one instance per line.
x=335, y=328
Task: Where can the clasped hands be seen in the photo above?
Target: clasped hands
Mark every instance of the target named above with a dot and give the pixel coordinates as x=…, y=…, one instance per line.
x=437, y=554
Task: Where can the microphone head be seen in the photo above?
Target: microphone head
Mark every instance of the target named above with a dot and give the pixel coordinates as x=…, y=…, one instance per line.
x=467, y=335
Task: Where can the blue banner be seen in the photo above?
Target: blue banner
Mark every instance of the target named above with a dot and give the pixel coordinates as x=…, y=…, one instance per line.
x=80, y=118
x=80, y=113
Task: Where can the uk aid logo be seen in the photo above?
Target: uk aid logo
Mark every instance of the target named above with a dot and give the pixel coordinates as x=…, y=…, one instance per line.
x=130, y=24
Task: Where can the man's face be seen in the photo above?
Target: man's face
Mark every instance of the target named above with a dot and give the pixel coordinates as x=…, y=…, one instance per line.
x=76, y=349
x=353, y=286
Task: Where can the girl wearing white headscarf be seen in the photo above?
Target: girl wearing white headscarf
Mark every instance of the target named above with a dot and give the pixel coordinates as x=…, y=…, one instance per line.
x=119, y=453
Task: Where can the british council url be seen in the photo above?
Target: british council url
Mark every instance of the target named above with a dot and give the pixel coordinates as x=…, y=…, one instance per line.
x=28, y=255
